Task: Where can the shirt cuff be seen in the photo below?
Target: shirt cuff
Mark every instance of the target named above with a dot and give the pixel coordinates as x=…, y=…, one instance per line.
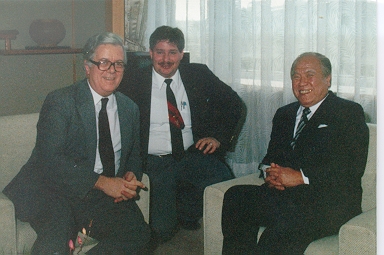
x=305, y=178
x=262, y=169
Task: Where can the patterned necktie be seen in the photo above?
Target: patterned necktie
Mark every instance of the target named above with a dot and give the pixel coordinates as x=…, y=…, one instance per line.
x=303, y=121
x=107, y=154
x=176, y=124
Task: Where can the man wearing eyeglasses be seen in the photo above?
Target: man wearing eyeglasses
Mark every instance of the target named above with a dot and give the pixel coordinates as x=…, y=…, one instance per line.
x=186, y=101
x=85, y=169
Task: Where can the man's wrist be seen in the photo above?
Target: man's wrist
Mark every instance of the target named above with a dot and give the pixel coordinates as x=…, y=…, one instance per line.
x=100, y=182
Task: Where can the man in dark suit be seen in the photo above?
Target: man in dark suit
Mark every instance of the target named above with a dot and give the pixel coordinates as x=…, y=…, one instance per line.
x=209, y=111
x=65, y=186
x=312, y=170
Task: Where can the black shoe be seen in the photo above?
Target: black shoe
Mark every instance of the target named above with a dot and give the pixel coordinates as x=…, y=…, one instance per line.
x=151, y=246
x=189, y=224
x=160, y=238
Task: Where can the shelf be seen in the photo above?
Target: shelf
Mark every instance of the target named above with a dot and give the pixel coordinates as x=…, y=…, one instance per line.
x=41, y=51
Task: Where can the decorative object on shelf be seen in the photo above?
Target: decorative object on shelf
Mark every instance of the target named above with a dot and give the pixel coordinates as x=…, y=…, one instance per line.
x=46, y=45
x=47, y=33
x=8, y=35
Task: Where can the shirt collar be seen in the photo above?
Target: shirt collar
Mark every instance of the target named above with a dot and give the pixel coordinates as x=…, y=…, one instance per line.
x=97, y=98
x=313, y=108
x=158, y=80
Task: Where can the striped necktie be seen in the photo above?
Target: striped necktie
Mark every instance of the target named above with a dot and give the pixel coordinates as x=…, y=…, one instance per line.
x=303, y=121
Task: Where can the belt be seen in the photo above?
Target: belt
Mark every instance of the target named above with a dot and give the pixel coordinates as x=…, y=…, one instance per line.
x=160, y=156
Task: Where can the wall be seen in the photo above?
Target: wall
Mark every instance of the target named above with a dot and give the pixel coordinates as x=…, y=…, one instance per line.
x=25, y=80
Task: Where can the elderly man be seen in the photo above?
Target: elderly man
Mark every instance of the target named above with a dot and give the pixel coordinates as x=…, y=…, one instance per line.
x=83, y=170
x=313, y=168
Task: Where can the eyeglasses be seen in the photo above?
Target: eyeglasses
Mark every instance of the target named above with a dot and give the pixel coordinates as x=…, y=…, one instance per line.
x=105, y=65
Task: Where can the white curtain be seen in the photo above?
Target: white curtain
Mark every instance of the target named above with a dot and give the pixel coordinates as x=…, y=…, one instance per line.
x=134, y=24
x=251, y=44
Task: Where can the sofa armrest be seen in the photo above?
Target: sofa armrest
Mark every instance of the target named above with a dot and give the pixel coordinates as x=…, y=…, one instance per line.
x=7, y=226
x=213, y=203
x=143, y=201
x=358, y=235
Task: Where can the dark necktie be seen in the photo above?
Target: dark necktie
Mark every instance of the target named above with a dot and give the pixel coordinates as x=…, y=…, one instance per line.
x=303, y=121
x=176, y=123
x=107, y=154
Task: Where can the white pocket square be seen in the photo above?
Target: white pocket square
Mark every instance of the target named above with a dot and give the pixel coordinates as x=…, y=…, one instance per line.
x=322, y=126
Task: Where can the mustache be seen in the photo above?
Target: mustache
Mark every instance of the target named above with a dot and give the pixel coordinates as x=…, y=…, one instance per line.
x=168, y=63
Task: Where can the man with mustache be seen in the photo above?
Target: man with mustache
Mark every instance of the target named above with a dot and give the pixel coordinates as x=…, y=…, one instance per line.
x=312, y=170
x=205, y=112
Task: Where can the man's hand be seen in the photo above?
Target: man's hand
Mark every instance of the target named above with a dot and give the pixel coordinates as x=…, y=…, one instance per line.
x=283, y=177
x=119, y=188
x=208, y=144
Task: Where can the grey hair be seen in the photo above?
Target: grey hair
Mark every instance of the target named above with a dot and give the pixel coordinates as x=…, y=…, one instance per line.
x=326, y=67
x=99, y=39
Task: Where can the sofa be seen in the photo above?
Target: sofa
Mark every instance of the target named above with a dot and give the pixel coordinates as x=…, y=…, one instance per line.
x=17, y=139
x=356, y=237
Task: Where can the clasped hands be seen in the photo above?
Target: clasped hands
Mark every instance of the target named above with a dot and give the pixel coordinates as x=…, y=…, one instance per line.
x=119, y=188
x=280, y=178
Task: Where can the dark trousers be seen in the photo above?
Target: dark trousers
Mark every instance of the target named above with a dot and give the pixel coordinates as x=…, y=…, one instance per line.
x=119, y=227
x=290, y=218
x=177, y=188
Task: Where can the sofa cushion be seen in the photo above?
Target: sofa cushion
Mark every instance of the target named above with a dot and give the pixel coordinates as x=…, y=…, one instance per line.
x=17, y=139
x=26, y=236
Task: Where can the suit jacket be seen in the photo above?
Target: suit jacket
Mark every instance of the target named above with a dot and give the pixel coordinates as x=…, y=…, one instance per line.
x=215, y=107
x=63, y=159
x=331, y=151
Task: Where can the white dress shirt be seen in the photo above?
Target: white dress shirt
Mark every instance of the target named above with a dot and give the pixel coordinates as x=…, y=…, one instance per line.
x=114, y=126
x=159, y=130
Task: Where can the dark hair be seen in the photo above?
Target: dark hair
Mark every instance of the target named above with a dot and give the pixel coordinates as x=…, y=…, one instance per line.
x=166, y=33
x=325, y=63
x=99, y=39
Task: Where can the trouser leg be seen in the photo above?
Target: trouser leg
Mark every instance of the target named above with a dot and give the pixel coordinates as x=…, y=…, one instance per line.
x=54, y=227
x=163, y=214
x=177, y=189
x=280, y=241
x=119, y=227
x=291, y=217
x=193, y=174
x=239, y=224
x=293, y=230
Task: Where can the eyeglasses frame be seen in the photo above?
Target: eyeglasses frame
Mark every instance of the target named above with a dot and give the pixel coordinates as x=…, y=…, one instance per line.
x=112, y=64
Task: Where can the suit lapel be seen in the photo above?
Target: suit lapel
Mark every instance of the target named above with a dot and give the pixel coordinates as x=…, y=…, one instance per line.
x=290, y=118
x=320, y=118
x=123, y=109
x=189, y=83
x=86, y=109
x=322, y=114
x=194, y=93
